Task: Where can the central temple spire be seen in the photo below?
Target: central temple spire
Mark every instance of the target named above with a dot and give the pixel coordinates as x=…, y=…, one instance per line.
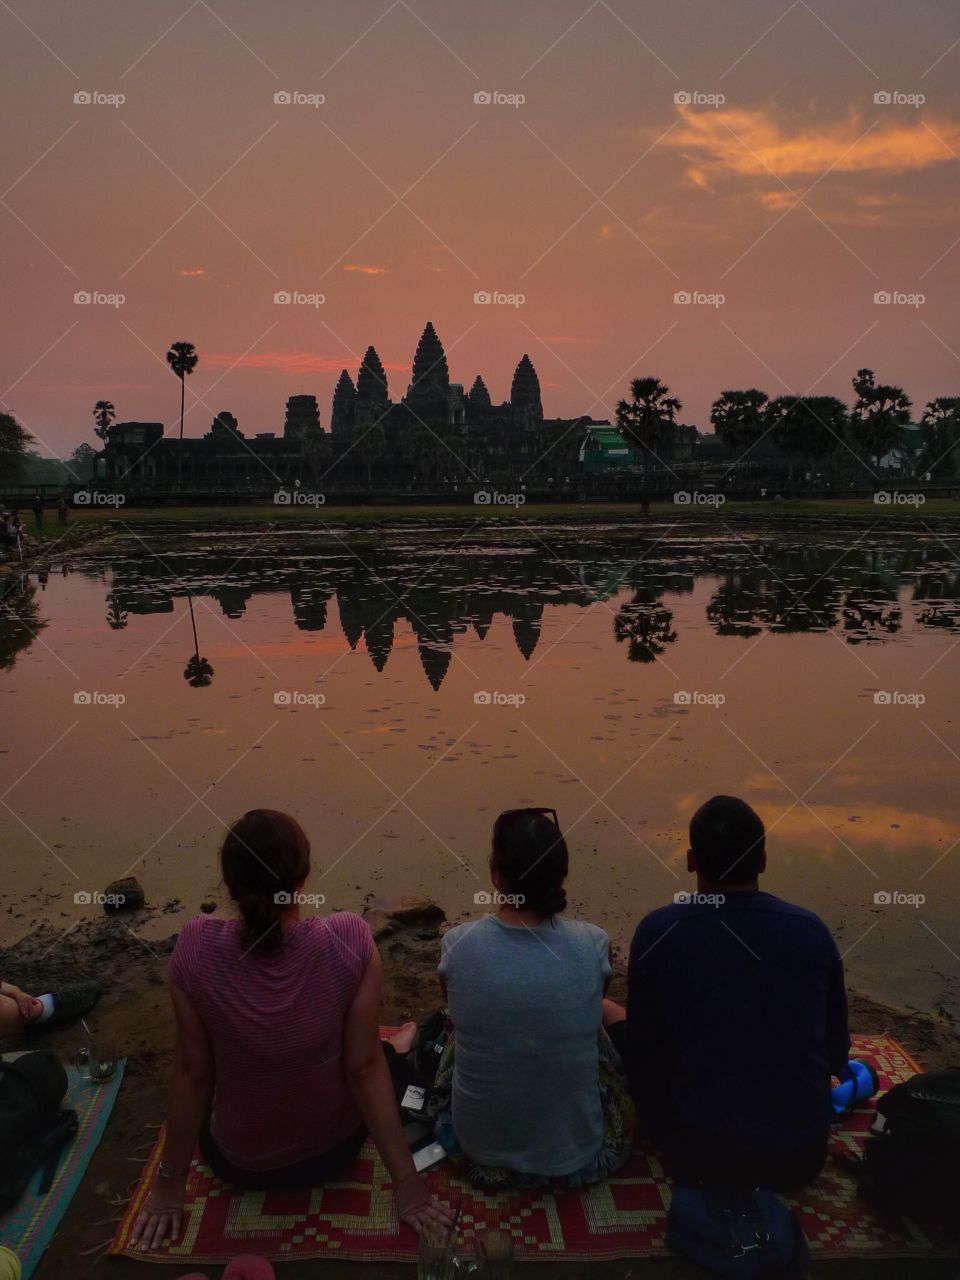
x=430, y=384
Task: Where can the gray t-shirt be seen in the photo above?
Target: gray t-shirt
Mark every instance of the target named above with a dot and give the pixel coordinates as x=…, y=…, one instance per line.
x=526, y=1005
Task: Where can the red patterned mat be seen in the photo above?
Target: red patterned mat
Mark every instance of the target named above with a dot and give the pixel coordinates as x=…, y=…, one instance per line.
x=625, y=1216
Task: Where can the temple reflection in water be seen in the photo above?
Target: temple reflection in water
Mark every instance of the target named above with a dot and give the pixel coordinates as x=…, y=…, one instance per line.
x=865, y=595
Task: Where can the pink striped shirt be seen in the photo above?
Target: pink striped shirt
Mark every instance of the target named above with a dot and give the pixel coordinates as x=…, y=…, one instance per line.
x=275, y=1021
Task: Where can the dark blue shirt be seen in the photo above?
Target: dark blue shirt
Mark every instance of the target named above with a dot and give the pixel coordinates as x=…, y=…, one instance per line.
x=736, y=1019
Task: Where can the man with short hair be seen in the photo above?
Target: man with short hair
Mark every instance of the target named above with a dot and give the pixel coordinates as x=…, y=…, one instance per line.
x=736, y=1017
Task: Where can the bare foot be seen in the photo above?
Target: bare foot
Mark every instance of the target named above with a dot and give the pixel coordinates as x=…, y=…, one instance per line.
x=403, y=1039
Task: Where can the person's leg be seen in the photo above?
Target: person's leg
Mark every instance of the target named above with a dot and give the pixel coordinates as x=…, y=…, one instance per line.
x=12, y=1015
x=613, y=1013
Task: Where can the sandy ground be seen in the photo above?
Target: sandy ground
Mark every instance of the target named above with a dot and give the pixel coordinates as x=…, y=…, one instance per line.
x=134, y=1014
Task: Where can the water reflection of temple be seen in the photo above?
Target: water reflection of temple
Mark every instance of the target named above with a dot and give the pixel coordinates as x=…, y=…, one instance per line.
x=372, y=597
x=862, y=594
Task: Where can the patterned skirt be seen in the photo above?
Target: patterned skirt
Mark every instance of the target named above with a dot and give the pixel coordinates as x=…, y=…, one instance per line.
x=619, y=1120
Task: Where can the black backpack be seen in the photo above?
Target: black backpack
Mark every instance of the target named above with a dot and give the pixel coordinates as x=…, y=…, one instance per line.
x=912, y=1168
x=33, y=1129
x=432, y=1037
x=737, y=1233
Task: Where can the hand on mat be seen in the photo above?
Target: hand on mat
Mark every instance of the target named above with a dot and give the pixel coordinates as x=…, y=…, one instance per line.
x=418, y=1208
x=160, y=1216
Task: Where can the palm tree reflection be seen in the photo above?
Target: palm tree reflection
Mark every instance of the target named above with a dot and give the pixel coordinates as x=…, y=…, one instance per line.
x=198, y=672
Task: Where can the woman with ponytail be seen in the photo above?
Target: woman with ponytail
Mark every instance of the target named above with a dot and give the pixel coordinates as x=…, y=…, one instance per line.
x=535, y=1091
x=279, y=1072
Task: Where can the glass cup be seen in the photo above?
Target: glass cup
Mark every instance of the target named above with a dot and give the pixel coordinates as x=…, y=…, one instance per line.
x=97, y=1061
x=435, y=1258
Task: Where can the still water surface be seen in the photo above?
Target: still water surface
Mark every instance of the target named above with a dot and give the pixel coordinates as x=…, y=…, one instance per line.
x=396, y=697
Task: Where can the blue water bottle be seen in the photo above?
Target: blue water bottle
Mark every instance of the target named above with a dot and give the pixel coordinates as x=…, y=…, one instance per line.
x=859, y=1083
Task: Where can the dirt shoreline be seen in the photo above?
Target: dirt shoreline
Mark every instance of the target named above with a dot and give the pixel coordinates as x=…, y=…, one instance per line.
x=134, y=1014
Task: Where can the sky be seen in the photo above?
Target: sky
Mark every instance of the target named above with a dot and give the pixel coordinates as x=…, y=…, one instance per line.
x=622, y=157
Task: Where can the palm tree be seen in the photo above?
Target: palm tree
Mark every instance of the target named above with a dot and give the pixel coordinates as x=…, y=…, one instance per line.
x=648, y=418
x=738, y=418
x=182, y=359
x=807, y=429
x=879, y=416
x=940, y=427
x=104, y=416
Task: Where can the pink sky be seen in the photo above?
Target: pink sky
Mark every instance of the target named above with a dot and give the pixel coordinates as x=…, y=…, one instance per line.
x=597, y=199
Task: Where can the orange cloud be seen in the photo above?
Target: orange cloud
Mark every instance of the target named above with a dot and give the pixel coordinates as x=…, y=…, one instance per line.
x=288, y=362
x=366, y=270
x=749, y=143
x=192, y=271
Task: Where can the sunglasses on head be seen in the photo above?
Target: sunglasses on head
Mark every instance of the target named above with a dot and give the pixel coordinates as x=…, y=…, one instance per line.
x=516, y=813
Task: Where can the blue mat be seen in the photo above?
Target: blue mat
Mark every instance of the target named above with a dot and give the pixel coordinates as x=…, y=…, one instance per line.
x=29, y=1226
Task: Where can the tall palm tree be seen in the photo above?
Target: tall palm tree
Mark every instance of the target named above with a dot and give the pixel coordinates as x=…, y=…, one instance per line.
x=648, y=418
x=182, y=359
x=104, y=416
x=879, y=415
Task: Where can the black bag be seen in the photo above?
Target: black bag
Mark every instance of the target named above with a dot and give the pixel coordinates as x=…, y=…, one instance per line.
x=912, y=1168
x=32, y=1126
x=432, y=1036
x=739, y=1234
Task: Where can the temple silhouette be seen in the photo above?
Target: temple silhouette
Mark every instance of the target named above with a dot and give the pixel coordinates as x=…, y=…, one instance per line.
x=436, y=434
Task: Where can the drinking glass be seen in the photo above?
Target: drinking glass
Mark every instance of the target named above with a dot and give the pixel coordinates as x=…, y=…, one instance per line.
x=97, y=1061
x=435, y=1257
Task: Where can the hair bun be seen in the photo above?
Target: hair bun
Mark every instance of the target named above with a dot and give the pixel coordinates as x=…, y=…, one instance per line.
x=553, y=902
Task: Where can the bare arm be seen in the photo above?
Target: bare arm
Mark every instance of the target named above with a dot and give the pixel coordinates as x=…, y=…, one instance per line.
x=369, y=1078
x=191, y=1086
